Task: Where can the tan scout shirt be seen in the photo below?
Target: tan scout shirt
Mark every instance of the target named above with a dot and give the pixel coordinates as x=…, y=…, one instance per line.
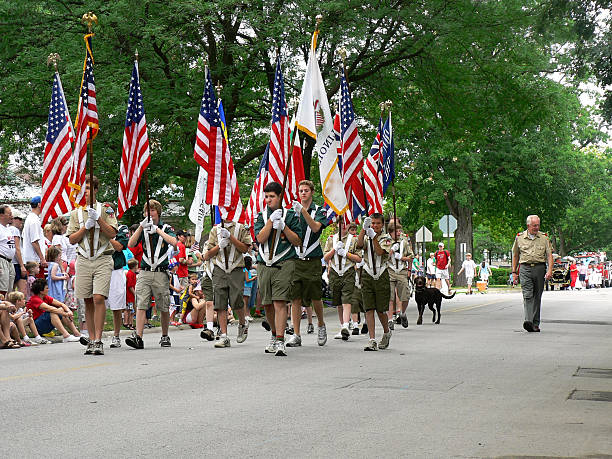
x=235, y=258
x=406, y=252
x=107, y=214
x=380, y=261
x=346, y=263
x=531, y=250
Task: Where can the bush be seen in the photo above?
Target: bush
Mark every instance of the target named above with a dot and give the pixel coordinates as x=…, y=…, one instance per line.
x=499, y=276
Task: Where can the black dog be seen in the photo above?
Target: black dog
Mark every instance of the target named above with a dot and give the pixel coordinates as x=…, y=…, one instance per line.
x=428, y=296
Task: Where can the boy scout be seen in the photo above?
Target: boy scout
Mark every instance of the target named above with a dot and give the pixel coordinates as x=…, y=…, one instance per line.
x=93, y=269
x=399, y=270
x=153, y=280
x=375, y=277
x=225, y=247
x=532, y=250
x=306, y=281
x=274, y=272
x=341, y=258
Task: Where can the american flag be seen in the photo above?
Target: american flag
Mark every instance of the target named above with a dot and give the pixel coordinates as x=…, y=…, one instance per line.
x=257, y=202
x=279, y=131
x=86, y=127
x=136, y=155
x=211, y=151
x=352, y=159
x=58, y=156
x=373, y=176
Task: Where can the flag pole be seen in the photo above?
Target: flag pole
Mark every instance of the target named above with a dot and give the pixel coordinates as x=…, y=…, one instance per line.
x=219, y=88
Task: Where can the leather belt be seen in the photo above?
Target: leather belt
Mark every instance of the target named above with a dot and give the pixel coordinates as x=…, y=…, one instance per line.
x=159, y=269
x=6, y=258
x=533, y=264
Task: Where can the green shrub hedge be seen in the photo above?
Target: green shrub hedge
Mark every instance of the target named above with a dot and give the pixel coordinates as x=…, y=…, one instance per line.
x=499, y=276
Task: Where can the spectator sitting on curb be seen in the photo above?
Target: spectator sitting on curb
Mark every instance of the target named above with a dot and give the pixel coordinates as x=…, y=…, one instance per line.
x=22, y=318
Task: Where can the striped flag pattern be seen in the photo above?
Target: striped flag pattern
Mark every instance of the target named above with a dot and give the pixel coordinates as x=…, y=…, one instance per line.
x=279, y=131
x=136, y=156
x=257, y=202
x=372, y=175
x=58, y=156
x=296, y=170
x=86, y=127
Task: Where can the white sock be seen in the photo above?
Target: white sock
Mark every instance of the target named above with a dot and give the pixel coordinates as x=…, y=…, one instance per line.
x=223, y=335
x=345, y=325
x=209, y=325
x=37, y=337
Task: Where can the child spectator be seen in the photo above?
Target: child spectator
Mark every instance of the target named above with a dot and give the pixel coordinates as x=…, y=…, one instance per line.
x=33, y=268
x=175, y=293
x=8, y=332
x=56, y=277
x=48, y=313
x=250, y=276
x=22, y=318
x=130, y=294
x=195, y=310
x=117, y=293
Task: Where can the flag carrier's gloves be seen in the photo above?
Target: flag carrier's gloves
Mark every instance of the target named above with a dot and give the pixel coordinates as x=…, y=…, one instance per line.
x=341, y=252
x=145, y=224
x=367, y=222
x=276, y=215
x=224, y=242
x=90, y=223
x=278, y=224
x=91, y=212
x=360, y=264
x=338, y=245
x=395, y=247
x=224, y=233
x=398, y=256
x=370, y=232
x=297, y=207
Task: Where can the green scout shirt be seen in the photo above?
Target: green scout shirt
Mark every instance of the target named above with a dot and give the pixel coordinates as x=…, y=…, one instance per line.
x=123, y=235
x=107, y=214
x=164, y=246
x=235, y=258
x=311, y=245
x=529, y=250
x=292, y=222
x=352, y=248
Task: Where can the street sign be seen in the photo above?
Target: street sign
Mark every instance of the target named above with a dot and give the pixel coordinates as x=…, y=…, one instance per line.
x=448, y=225
x=423, y=235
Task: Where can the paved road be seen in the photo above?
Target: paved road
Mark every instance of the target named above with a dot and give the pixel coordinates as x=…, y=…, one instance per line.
x=475, y=386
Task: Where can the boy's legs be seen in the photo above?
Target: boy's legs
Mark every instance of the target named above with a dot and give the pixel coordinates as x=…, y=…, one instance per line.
x=117, y=321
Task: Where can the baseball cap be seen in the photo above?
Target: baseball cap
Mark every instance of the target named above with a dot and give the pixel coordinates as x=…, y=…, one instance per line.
x=441, y=244
x=35, y=200
x=181, y=233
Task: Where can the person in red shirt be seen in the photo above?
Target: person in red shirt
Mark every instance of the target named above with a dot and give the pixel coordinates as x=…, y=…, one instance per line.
x=182, y=272
x=443, y=261
x=130, y=299
x=137, y=250
x=48, y=313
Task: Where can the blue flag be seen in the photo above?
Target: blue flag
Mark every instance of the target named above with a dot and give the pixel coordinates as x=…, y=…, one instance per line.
x=388, y=151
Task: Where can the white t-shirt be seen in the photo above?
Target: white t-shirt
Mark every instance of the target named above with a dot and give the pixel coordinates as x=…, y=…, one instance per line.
x=68, y=250
x=16, y=234
x=431, y=266
x=469, y=267
x=7, y=242
x=32, y=232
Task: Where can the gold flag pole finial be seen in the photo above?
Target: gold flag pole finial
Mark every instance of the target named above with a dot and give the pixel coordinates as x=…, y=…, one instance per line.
x=389, y=104
x=319, y=19
x=383, y=106
x=53, y=58
x=342, y=52
x=89, y=18
x=136, y=55
x=219, y=88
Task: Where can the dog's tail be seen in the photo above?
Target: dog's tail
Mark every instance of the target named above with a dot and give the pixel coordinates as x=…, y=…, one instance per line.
x=448, y=297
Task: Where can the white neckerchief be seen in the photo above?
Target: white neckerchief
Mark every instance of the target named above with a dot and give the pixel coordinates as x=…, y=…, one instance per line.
x=146, y=255
x=347, y=264
x=373, y=260
x=86, y=252
x=305, y=250
x=264, y=249
x=232, y=263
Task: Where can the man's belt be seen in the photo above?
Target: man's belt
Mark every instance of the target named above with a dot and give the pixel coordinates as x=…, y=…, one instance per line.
x=159, y=269
x=533, y=264
x=6, y=258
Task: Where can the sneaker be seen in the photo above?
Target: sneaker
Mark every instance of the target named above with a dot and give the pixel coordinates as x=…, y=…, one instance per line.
x=265, y=324
x=165, y=341
x=289, y=330
x=71, y=339
x=40, y=340
x=310, y=329
x=364, y=329
x=371, y=346
x=89, y=350
x=115, y=342
x=98, y=348
x=321, y=335
x=384, y=342
x=218, y=333
x=249, y=319
x=242, y=333
x=338, y=335
x=271, y=347
x=355, y=331
x=223, y=342
x=294, y=341
x=85, y=333
x=345, y=333
x=84, y=340
x=280, y=349
x=404, y=319
x=135, y=341
x=398, y=318
x=207, y=334
x=391, y=324
x=26, y=342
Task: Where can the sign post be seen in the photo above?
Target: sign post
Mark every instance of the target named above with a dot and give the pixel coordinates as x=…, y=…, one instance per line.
x=422, y=236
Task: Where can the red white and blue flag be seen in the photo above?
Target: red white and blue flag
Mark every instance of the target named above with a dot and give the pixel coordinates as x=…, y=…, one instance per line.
x=257, y=202
x=58, y=157
x=280, y=133
x=136, y=156
x=373, y=174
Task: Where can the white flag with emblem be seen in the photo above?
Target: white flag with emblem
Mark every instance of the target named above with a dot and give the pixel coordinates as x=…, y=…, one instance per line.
x=199, y=209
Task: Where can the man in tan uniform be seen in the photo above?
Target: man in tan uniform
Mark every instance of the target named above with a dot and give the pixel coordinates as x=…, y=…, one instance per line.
x=93, y=269
x=225, y=246
x=532, y=251
x=399, y=270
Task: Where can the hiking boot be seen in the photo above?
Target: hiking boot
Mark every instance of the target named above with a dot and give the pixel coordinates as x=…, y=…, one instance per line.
x=280, y=349
x=115, y=342
x=404, y=319
x=371, y=346
x=223, y=342
x=294, y=341
x=355, y=331
x=398, y=318
x=242, y=333
x=89, y=350
x=391, y=324
x=271, y=347
x=364, y=329
x=207, y=334
x=384, y=342
x=338, y=335
x=135, y=341
x=321, y=335
x=84, y=340
x=345, y=333
x=289, y=330
x=98, y=348
x=265, y=324
x=165, y=341
x=310, y=329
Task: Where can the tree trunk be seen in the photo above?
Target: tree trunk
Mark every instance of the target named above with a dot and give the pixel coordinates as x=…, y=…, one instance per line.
x=463, y=234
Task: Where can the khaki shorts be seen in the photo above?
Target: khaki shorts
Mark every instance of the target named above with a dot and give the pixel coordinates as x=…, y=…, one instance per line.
x=207, y=287
x=228, y=288
x=274, y=282
x=7, y=275
x=357, y=301
x=375, y=293
x=400, y=282
x=153, y=283
x=93, y=277
x=341, y=287
x=306, y=282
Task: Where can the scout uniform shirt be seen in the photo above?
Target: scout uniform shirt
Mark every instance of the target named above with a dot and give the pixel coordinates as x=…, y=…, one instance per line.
x=283, y=249
x=350, y=245
x=530, y=250
x=235, y=258
x=379, y=261
x=156, y=245
x=311, y=245
x=406, y=251
x=101, y=246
